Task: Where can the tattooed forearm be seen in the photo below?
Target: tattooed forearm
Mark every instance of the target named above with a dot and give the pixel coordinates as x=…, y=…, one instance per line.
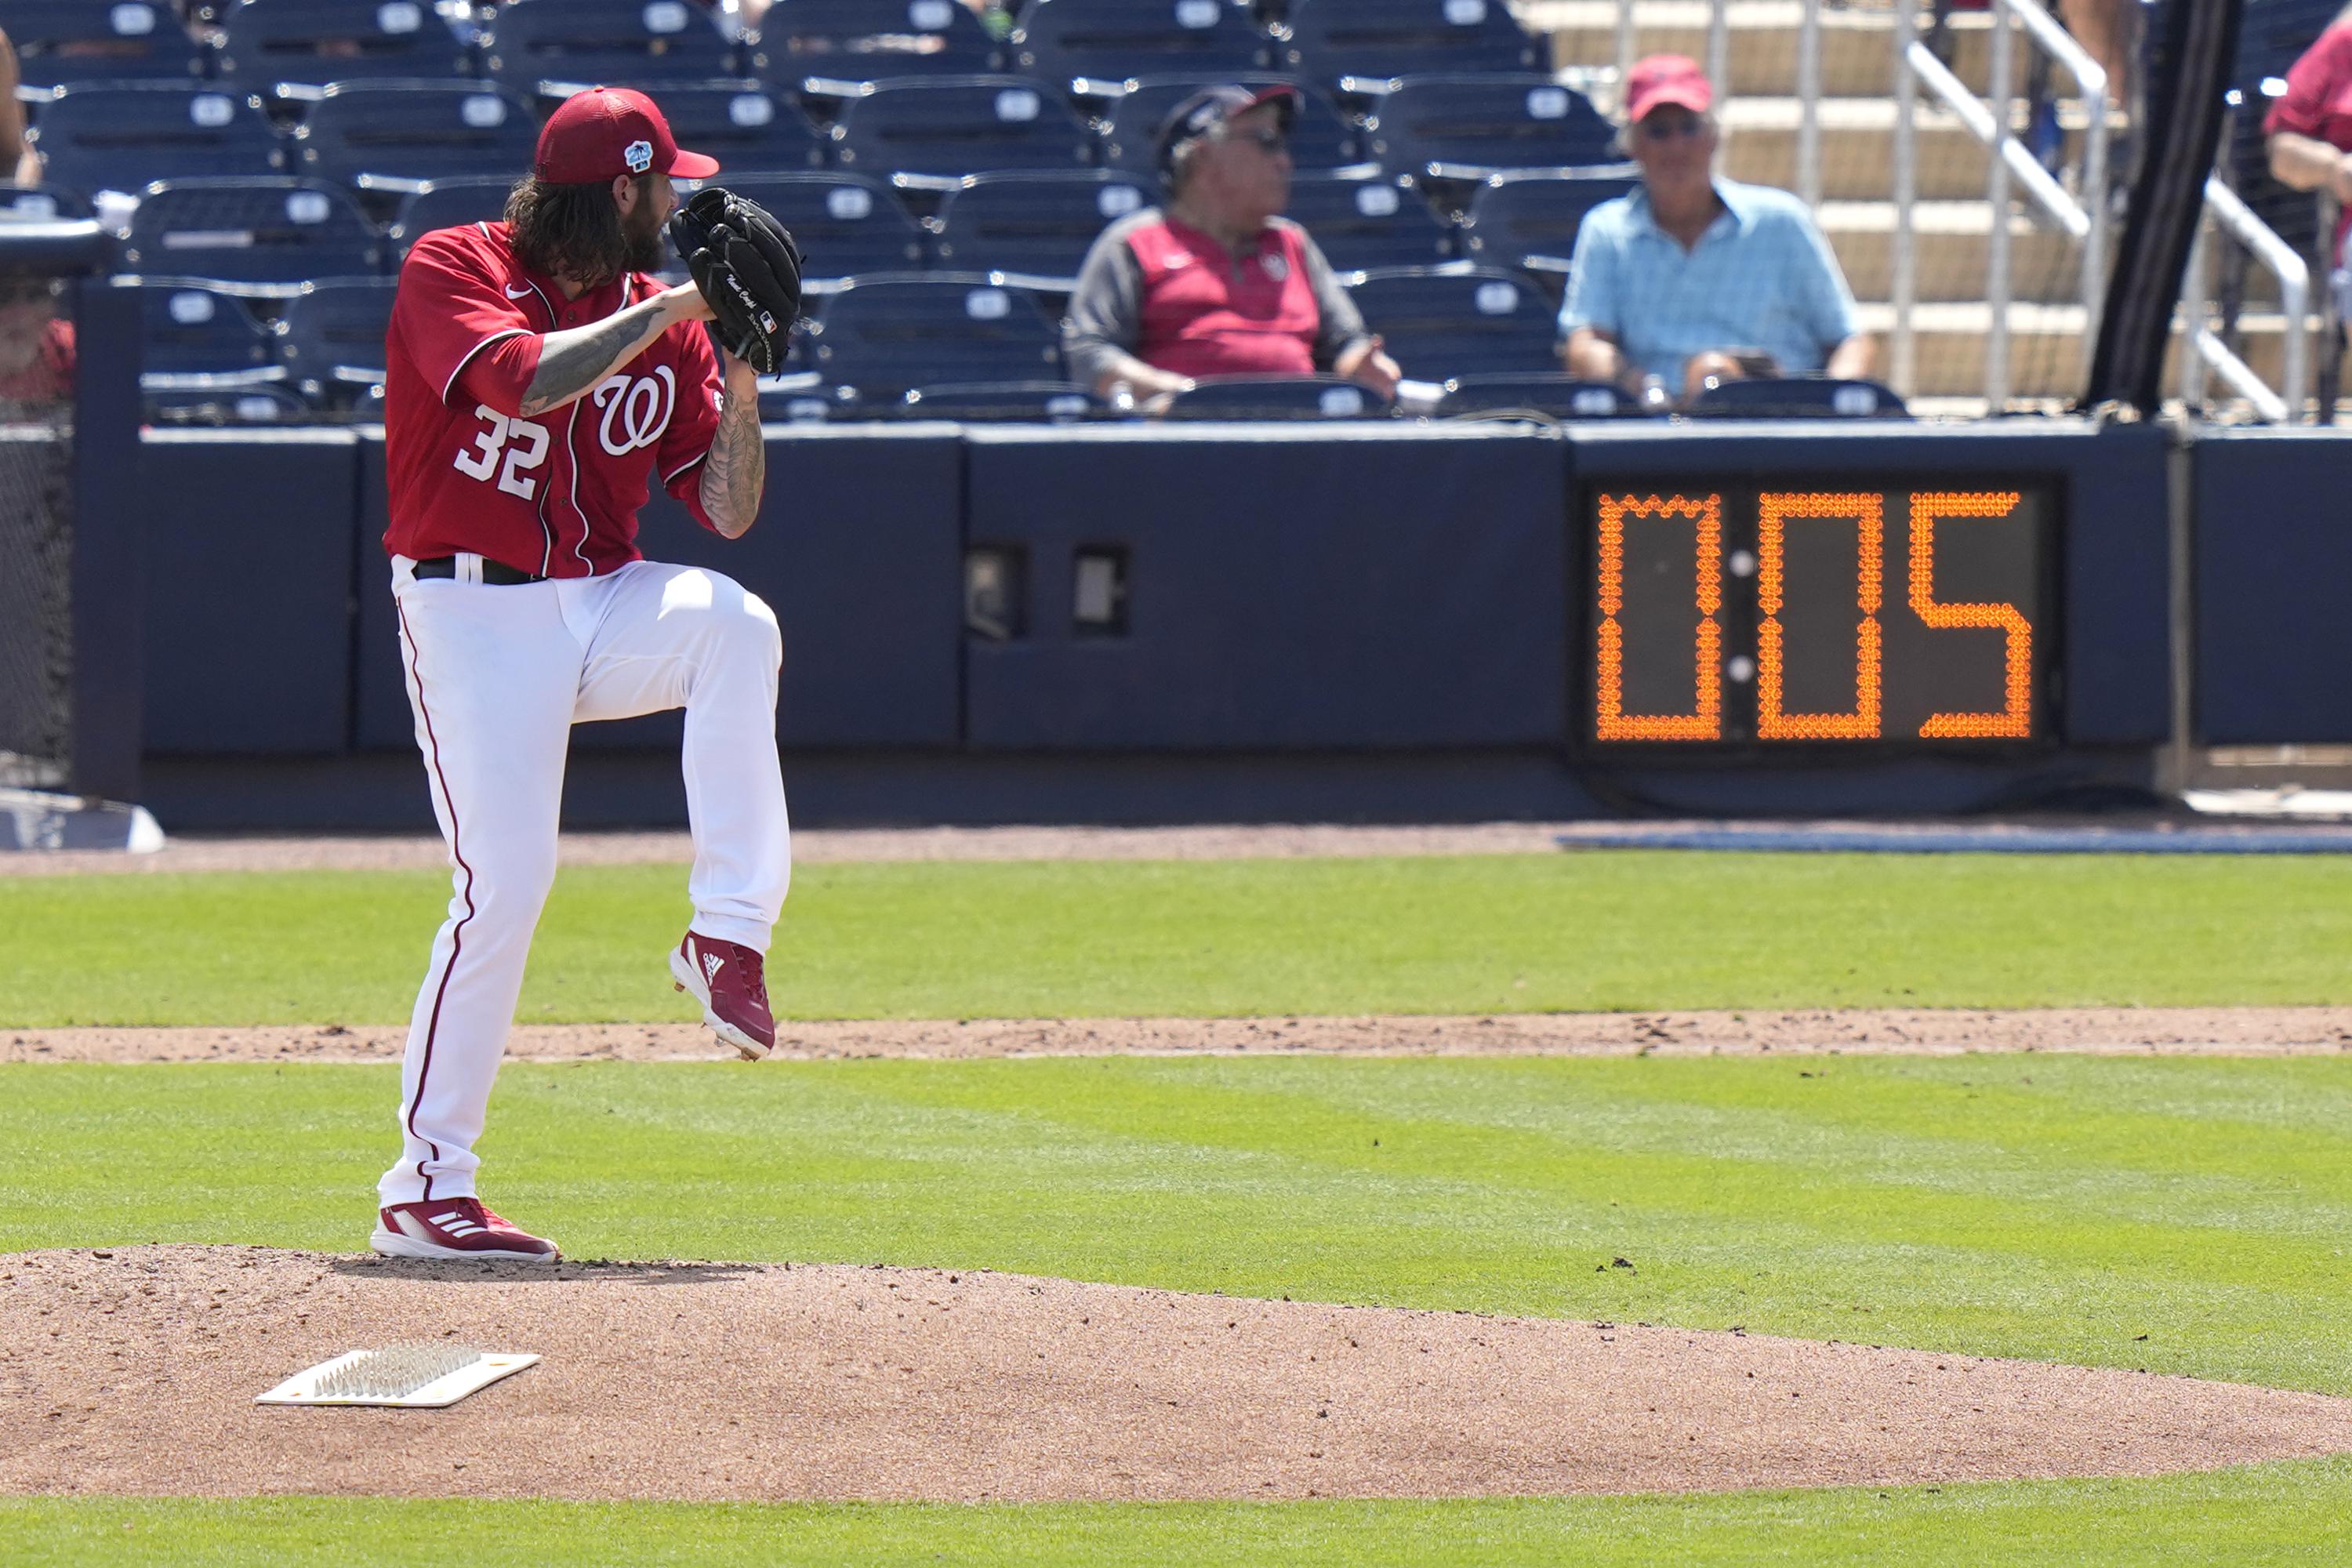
x=572, y=360
x=736, y=472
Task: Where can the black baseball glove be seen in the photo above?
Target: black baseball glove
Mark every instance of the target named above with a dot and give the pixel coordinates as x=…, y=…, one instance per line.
x=748, y=267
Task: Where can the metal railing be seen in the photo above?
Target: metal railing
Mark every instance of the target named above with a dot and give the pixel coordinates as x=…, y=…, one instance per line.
x=2203, y=348
x=1916, y=65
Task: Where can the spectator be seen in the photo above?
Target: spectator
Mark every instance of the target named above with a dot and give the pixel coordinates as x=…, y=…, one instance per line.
x=17, y=159
x=36, y=345
x=2309, y=134
x=1695, y=277
x=1216, y=283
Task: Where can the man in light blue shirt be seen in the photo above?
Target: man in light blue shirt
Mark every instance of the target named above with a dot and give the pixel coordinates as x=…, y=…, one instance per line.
x=1693, y=276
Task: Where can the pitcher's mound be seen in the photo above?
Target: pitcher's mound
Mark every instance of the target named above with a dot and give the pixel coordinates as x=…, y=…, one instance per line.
x=134, y=1371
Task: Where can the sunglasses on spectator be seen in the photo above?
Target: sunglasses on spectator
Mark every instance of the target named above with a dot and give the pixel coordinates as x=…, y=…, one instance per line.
x=1666, y=127
x=1266, y=142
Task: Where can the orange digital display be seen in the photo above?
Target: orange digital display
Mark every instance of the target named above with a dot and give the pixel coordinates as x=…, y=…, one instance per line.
x=1828, y=614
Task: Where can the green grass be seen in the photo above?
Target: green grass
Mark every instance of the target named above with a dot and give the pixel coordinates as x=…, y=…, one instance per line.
x=2294, y=1513
x=1593, y=931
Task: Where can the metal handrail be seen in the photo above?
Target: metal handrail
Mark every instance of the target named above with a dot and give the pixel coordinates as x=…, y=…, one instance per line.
x=1809, y=105
x=2205, y=348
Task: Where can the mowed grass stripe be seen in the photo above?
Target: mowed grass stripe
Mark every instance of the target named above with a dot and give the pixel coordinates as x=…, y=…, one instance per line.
x=2286, y=1514
x=1589, y=931
x=1844, y=1210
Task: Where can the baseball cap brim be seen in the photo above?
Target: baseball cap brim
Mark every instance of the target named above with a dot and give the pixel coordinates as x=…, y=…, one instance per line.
x=692, y=165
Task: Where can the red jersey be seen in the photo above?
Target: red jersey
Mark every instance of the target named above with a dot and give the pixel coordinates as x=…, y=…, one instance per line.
x=557, y=496
x=1204, y=313
x=2318, y=101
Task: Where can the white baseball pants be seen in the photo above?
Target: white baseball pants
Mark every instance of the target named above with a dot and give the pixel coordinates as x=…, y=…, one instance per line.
x=496, y=677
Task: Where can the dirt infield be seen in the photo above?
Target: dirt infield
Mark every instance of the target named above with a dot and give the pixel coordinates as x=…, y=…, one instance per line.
x=2111, y=1031
x=726, y=1381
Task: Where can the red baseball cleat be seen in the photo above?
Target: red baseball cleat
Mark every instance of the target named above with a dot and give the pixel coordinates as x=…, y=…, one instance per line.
x=456, y=1227
x=730, y=983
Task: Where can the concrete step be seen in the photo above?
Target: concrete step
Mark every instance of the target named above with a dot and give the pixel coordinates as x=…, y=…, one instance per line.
x=2044, y=348
x=1857, y=147
x=1950, y=244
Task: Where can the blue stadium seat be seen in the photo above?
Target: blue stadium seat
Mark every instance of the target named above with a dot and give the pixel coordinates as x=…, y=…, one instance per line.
x=934, y=131
x=800, y=399
x=1013, y=402
x=1459, y=320
x=396, y=135
x=1110, y=40
x=448, y=204
x=1039, y=226
x=269, y=235
x=557, y=46
x=743, y=125
x=293, y=48
x=332, y=338
x=195, y=338
x=261, y=404
x=120, y=136
x=845, y=224
x=59, y=41
x=1530, y=221
x=883, y=335
x=1471, y=126
x=1363, y=222
x=1319, y=139
x=1329, y=39
x=1278, y=397
x=1553, y=394
x=1798, y=397
x=865, y=40
x=41, y=203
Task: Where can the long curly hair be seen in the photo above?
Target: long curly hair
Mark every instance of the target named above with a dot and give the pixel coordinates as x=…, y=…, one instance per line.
x=569, y=231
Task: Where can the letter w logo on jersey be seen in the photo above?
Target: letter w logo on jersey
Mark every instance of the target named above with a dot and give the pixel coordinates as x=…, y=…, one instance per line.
x=636, y=409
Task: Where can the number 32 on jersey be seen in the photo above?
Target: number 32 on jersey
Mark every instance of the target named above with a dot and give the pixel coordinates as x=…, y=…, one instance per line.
x=522, y=444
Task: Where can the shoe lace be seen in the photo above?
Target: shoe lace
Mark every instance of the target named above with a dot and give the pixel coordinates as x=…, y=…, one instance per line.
x=755, y=977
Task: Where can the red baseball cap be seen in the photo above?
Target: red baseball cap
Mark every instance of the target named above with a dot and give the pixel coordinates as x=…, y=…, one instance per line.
x=1666, y=78
x=608, y=132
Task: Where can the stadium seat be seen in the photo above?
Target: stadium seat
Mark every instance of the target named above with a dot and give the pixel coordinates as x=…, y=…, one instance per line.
x=270, y=235
x=1278, y=397
x=1555, y=395
x=396, y=136
x=261, y=404
x=558, y=46
x=42, y=203
x=800, y=399
x=932, y=132
x=865, y=40
x=845, y=224
x=1459, y=320
x=194, y=338
x=1530, y=221
x=1468, y=127
x=1010, y=402
x=59, y=41
x=448, y=204
x=743, y=125
x=883, y=335
x=1363, y=222
x=121, y=136
x=1798, y=397
x=1328, y=39
x=332, y=338
x=1319, y=139
x=1038, y=225
x=293, y=48
x=1110, y=40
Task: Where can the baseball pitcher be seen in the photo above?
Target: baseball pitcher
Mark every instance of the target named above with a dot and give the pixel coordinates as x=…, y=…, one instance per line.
x=539, y=384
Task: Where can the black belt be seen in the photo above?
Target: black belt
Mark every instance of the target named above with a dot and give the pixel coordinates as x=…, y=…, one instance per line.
x=493, y=572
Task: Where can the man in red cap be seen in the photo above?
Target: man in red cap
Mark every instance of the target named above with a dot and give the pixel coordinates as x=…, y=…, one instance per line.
x=538, y=382
x=1695, y=278
x=1217, y=282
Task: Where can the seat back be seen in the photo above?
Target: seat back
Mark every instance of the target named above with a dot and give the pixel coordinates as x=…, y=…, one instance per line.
x=865, y=40
x=447, y=204
x=883, y=336
x=1532, y=221
x=845, y=224
x=332, y=338
x=1554, y=393
x=558, y=46
x=992, y=401
x=1319, y=139
x=1799, y=397
x=1459, y=322
x=1278, y=397
x=259, y=403
x=303, y=45
x=743, y=125
x=395, y=135
x=1478, y=124
x=942, y=128
x=119, y=136
x=1038, y=225
x=84, y=40
x=1363, y=222
x=1331, y=38
x=1061, y=40
x=275, y=234
x=192, y=336
x=41, y=203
